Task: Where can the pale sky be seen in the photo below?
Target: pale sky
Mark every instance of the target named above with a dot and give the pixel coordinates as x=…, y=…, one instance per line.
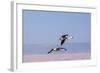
x=46, y=27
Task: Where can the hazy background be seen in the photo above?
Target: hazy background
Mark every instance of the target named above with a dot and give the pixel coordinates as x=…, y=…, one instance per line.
x=42, y=29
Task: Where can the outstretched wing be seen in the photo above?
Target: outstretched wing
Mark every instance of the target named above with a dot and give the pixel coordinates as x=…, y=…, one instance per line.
x=50, y=51
x=62, y=42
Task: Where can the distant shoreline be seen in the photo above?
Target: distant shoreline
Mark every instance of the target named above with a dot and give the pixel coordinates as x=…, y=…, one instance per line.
x=56, y=57
x=43, y=49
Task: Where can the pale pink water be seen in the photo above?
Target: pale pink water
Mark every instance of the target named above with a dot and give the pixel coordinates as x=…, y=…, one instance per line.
x=58, y=57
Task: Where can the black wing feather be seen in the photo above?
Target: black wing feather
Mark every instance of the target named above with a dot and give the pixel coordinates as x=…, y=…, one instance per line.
x=62, y=42
x=50, y=51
